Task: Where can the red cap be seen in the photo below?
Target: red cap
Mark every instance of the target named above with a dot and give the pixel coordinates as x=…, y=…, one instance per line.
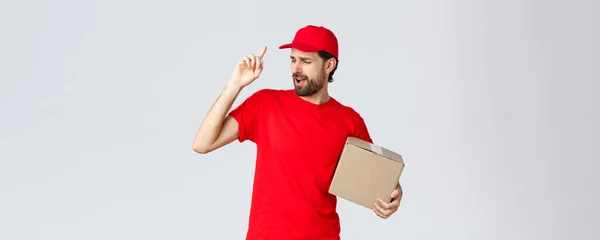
x=314, y=38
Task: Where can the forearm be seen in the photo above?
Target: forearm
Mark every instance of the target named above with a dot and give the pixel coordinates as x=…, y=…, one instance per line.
x=211, y=126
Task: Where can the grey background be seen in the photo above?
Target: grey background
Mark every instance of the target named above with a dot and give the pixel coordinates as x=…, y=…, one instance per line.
x=492, y=103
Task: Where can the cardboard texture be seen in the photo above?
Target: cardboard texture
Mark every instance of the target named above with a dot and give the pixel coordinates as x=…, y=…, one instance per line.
x=366, y=172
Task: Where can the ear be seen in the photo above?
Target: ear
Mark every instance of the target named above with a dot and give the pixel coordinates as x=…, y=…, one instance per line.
x=330, y=65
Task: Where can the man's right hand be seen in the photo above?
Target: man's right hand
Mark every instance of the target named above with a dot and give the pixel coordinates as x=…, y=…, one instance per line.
x=248, y=69
x=218, y=129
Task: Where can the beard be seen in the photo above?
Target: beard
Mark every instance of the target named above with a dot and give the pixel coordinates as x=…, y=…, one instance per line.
x=313, y=85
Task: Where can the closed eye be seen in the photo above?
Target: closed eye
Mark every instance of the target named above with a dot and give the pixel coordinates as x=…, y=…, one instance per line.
x=304, y=60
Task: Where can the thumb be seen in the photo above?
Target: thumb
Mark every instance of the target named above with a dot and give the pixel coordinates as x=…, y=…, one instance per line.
x=395, y=194
x=258, y=71
x=259, y=67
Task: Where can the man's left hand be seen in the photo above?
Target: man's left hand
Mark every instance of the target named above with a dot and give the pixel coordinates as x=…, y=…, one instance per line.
x=385, y=210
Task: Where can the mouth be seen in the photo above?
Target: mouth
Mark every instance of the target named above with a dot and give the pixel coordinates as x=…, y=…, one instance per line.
x=300, y=79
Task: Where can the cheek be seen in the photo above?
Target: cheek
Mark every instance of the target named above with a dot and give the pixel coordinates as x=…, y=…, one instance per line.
x=312, y=71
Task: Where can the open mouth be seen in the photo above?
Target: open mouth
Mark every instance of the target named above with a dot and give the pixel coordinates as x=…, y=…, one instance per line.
x=299, y=80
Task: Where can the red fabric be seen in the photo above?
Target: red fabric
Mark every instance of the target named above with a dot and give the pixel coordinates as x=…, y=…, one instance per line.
x=298, y=145
x=314, y=38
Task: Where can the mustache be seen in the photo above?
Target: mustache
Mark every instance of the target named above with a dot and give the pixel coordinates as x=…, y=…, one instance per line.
x=298, y=75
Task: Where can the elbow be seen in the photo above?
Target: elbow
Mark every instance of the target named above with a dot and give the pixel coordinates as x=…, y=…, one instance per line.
x=200, y=149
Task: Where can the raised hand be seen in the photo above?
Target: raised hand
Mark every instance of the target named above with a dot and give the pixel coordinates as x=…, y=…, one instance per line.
x=248, y=68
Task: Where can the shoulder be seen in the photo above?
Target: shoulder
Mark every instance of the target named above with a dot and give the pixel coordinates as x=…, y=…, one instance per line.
x=357, y=124
x=349, y=112
x=265, y=93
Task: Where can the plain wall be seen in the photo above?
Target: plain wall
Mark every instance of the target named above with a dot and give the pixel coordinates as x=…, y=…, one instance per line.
x=493, y=105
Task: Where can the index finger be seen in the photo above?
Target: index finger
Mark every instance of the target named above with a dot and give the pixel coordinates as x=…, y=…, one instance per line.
x=383, y=204
x=262, y=52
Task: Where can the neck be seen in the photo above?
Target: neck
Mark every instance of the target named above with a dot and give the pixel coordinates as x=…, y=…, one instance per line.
x=320, y=97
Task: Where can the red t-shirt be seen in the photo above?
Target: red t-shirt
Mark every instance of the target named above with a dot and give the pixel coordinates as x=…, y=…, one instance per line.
x=298, y=146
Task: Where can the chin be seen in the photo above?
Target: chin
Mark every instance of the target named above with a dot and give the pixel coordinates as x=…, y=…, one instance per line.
x=301, y=92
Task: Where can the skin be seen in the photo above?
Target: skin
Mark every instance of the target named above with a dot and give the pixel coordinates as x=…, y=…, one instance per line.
x=219, y=129
x=308, y=65
x=384, y=209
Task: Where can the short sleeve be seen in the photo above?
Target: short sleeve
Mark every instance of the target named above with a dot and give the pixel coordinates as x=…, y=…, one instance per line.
x=361, y=131
x=246, y=114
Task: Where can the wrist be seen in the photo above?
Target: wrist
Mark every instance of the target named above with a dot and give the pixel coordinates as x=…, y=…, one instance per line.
x=233, y=86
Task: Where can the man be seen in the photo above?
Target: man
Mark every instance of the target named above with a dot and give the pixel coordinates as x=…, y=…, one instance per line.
x=299, y=134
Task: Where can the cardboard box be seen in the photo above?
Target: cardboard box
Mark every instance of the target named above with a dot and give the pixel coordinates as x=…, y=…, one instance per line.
x=366, y=172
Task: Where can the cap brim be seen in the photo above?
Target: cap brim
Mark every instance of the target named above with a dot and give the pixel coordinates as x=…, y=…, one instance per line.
x=300, y=46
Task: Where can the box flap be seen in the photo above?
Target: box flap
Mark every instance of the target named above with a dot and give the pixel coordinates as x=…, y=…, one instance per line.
x=375, y=149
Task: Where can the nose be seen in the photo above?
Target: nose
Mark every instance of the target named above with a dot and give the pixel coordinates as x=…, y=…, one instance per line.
x=296, y=67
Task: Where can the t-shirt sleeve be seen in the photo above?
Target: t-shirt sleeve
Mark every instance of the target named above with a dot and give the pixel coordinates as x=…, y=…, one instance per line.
x=247, y=115
x=361, y=131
